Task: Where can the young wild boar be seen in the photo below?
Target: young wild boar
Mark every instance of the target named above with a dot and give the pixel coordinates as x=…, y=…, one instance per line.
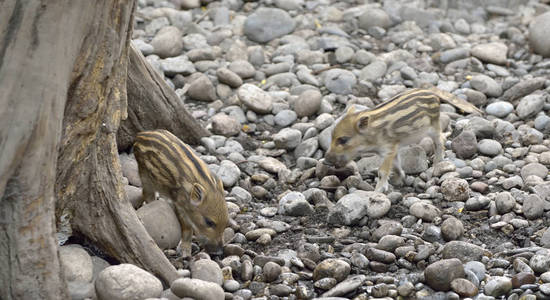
x=169, y=167
x=404, y=119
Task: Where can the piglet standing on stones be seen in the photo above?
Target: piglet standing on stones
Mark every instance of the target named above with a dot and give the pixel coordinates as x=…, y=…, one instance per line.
x=168, y=166
x=402, y=120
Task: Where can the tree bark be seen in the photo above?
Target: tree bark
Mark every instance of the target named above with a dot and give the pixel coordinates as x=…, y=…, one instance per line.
x=39, y=43
x=91, y=199
x=152, y=104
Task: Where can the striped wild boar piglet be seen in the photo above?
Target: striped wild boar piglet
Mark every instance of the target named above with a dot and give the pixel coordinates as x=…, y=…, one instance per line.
x=168, y=166
x=402, y=120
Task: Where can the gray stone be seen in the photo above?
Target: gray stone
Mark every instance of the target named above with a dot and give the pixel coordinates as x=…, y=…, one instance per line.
x=378, y=205
x=442, y=41
x=533, y=207
x=424, y=211
x=545, y=239
x=455, y=189
x=350, y=284
x=390, y=243
x=197, y=289
x=538, y=34
x=499, y=108
x=536, y=169
x=464, y=287
x=225, y=125
x=323, y=121
x=125, y=281
x=465, y=144
x=443, y=167
x=76, y=263
x=308, y=103
x=231, y=285
x=374, y=17
x=229, y=173
x=452, y=229
x=202, y=89
x=289, y=4
x=505, y=202
x=440, y=274
x=326, y=283
x=266, y=24
x=462, y=250
x=387, y=228
x=271, y=271
x=255, y=98
x=229, y=77
x=161, y=222
x=489, y=147
x=344, y=54
x=287, y=138
x=498, y=286
x=242, y=68
x=477, y=268
x=285, y=117
x=146, y=49
x=207, y=270
x=333, y=268
x=481, y=127
x=190, y=4
x=130, y=169
x=307, y=148
x=523, y=88
x=200, y=54
x=194, y=41
x=494, y=53
x=373, y=71
x=168, y=42
x=451, y=55
x=240, y=194
x=99, y=265
x=542, y=123
x=511, y=182
x=294, y=204
x=486, y=85
x=351, y=208
x=339, y=81
x=530, y=105
x=177, y=65
x=81, y=290
x=269, y=164
x=540, y=263
x=413, y=159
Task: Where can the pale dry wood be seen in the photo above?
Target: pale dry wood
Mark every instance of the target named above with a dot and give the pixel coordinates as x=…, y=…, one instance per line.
x=152, y=104
x=39, y=43
x=90, y=194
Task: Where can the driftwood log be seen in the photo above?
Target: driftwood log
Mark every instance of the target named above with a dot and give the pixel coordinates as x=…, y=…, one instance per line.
x=40, y=44
x=89, y=189
x=152, y=104
x=64, y=77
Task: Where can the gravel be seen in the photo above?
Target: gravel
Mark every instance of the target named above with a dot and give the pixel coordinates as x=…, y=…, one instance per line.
x=270, y=79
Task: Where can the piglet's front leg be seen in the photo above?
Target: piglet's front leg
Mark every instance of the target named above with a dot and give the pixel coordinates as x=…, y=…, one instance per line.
x=184, y=247
x=385, y=168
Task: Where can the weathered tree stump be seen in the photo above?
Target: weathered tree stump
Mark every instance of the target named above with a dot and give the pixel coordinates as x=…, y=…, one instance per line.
x=89, y=188
x=152, y=104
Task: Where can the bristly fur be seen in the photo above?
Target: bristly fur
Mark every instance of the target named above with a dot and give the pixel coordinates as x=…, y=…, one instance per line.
x=401, y=120
x=171, y=168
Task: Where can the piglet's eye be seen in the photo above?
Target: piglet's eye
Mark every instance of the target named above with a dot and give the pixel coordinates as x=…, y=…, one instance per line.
x=209, y=222
x=342, y=140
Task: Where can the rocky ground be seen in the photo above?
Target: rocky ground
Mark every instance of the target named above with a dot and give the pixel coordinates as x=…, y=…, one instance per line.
x=270, y=78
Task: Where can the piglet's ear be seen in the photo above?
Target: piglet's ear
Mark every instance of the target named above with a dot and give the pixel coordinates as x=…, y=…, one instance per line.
x=197, y=194
x=362, y=123
x=351, y=109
